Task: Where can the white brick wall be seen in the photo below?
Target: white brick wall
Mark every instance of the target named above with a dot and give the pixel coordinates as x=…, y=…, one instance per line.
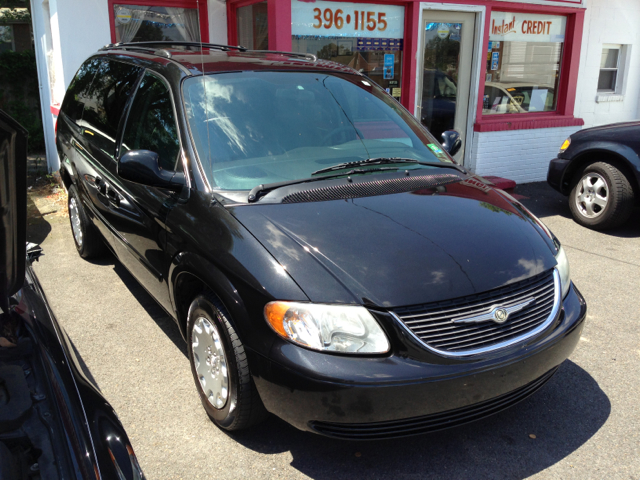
x=519, y=155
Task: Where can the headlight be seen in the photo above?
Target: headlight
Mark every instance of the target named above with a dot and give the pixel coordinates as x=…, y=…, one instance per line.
x=328, y=328
x=563, y=270
x=565, y=145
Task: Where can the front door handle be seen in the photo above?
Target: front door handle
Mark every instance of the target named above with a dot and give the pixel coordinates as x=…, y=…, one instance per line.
x=113, y=197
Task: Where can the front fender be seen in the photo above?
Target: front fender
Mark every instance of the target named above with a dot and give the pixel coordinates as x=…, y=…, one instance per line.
x=241, y=298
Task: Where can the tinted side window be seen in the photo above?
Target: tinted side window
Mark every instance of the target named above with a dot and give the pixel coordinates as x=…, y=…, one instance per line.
x=106, y=100
x=75, y=98
x=151, y=124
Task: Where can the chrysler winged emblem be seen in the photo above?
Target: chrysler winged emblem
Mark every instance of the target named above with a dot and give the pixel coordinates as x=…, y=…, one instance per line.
x=497, y=313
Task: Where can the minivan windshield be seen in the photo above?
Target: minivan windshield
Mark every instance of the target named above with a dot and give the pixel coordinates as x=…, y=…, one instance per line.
x=252, y=128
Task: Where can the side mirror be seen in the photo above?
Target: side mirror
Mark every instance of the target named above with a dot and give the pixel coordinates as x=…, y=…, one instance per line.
x=451, y=142
x=141, y=166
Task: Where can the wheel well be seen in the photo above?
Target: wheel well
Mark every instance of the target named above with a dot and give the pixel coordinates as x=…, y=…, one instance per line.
x=598, y=156
x=66, y=178
x=186, y=288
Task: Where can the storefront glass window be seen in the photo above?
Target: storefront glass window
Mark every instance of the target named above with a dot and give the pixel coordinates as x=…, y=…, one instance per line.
x=523, y=63
x=136, y=23
x=365, y=37
x=253, y=27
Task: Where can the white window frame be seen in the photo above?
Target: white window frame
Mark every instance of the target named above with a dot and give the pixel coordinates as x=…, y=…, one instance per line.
x=624, y=56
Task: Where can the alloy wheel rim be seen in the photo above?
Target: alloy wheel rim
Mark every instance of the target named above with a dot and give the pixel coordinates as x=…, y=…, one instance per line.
x=74, y=215
x=210, y=362
x=592, y=195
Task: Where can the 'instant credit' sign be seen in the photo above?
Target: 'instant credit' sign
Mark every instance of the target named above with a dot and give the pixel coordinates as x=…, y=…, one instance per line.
x=526, y=27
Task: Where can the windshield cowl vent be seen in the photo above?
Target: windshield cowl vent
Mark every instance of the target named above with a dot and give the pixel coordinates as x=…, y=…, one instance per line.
x=370, y=188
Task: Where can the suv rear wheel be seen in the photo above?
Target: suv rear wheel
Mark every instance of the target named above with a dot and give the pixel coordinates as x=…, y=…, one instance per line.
x=85, y=236
x=220, y=368
x=602, y=197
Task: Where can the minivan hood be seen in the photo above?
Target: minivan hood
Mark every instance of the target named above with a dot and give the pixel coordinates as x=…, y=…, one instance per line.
x=402, y=249
x=13, y=206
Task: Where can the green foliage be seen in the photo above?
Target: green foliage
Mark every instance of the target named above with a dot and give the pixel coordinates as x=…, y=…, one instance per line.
x=20, y=95
x=12, y=16
x=149, y=32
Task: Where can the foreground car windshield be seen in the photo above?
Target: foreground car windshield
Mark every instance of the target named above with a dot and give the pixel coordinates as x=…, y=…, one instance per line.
x=252, y=128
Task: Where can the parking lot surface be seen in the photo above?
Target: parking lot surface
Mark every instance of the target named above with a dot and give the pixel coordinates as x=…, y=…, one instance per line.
x=585, y=423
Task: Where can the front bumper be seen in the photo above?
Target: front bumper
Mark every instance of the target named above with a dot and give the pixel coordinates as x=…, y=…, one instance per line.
x=399, y=394
x=555, y=174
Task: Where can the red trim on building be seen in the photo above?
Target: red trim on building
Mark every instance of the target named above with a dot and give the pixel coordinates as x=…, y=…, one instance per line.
x=200, y=5
x=409, y=60
x=279, y=18
x=526, y=121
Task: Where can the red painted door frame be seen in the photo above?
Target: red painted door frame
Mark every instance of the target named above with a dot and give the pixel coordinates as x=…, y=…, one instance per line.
x=200, y=5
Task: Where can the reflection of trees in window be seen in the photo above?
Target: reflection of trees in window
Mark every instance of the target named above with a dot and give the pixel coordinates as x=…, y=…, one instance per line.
x=107, y=97
x=442, y=54
x=328, y=51
x=151, y=124
x=150, y=32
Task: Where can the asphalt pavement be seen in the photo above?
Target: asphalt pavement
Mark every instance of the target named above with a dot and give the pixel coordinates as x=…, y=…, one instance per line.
x=584, y=424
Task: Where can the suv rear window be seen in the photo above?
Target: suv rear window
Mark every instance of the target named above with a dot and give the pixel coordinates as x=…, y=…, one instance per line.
x=75, y=98
x=106, y=100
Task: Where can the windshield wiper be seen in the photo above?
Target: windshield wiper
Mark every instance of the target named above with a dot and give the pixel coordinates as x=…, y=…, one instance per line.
x=386, y=160
x=257, y=191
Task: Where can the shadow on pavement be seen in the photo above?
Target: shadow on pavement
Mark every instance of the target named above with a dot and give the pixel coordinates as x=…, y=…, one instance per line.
x=544, y=201
x=564, y=415
x=37, y=227
x=83, y=366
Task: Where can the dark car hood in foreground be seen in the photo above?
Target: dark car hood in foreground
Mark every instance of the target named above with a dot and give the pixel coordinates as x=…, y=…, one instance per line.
x=13, y=206
x=402, y=249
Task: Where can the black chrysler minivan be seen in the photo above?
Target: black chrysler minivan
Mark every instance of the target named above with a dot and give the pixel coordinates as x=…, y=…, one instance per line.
x=324, y=257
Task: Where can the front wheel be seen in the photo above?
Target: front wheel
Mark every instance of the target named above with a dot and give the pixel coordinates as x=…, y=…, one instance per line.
x=602, y=197
x=220, y=368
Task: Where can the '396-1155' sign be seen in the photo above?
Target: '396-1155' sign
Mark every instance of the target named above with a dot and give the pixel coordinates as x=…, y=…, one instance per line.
x=342, y=19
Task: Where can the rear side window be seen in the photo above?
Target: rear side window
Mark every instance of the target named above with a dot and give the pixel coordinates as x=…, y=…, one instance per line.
x=106, y=100
x=152, y=124
x=75, y=98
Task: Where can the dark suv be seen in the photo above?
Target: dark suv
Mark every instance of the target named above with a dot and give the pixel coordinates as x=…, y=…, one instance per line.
x=324, y=257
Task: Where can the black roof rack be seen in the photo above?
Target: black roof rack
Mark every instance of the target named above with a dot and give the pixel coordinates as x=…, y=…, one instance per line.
x=163, y=45
x=124, y=46
x=307, y=56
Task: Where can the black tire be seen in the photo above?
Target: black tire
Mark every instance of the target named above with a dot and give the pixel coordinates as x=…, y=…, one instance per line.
x=91, y=244
x=243, y=407
x=619, y=197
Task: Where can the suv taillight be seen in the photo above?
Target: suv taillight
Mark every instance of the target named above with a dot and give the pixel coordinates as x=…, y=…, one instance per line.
x=56, y=129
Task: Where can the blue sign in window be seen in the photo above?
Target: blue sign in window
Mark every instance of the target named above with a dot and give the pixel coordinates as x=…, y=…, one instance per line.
x=495, y=59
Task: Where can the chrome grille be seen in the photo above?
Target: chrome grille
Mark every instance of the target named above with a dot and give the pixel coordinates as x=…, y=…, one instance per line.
x=435, y=324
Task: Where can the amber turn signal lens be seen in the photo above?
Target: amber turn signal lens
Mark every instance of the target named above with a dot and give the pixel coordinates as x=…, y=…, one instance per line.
x=565, y=145
x=274, y=313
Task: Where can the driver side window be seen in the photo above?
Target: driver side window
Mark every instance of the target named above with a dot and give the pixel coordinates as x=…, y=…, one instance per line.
x=151, y=124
